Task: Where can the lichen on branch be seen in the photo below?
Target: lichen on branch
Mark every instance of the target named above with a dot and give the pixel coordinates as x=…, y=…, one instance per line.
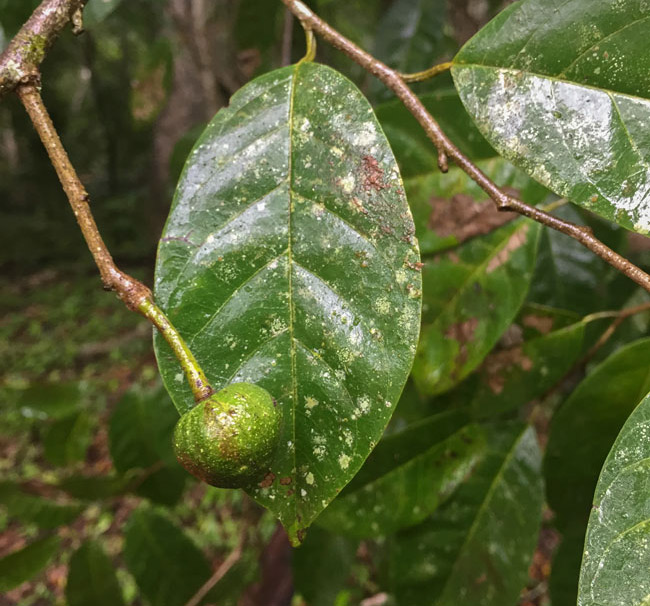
x=20, y=61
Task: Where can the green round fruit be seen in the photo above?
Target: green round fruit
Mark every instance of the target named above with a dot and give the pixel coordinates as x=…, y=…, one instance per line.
x=229, y=439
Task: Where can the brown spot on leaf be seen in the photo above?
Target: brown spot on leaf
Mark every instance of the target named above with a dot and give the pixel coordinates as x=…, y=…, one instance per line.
x=268, y=480
x=497, y=365
x=462, y=332
x=517, y=240
x=542, y=324
x=285, y=481
x=373, y=174
x=464, y=218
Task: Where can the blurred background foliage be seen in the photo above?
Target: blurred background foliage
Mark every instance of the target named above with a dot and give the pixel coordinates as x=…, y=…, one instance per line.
x=94, y=509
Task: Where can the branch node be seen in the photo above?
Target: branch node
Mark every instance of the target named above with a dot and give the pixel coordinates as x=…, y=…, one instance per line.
x=443, y=161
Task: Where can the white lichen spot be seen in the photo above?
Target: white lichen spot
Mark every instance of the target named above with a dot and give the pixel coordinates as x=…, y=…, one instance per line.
x=363, y=404
x=309, y=478
x=347, y=184
x=344, y=461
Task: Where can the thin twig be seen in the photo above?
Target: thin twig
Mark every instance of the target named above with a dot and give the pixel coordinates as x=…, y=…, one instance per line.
x=619, y=317
x=219, y=573
x=20, y=61
x=427, y=73
x=135, y=295
x=446, y=147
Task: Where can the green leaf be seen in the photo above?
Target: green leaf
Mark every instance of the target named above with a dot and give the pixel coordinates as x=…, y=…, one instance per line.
x=565, y=568
x=97, y=11
x=32, y=509
x=66, y=440
x=414, y=151
x=616, y=560
x=22, y=565
x=140, y=437
x=321, y=566
x=585, y=427
x=513, y=376
x=50, y=400
x=91, y=578
x=562, y=90
x=475, y=550
x=470, y=297
x=406, y=478
x=288, y=260
x=568, y=276
x=95, y=488
x=167, y=566
x=444, y=204
x=410, y=38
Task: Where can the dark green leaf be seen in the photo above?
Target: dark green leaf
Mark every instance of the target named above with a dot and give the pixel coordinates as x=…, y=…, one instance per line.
x=565, y=570
x=414, y=151
x=32, y=509
x=91, y=578
x=95, y=488
x=321, y=566
x=568, y=276
x=98, y=10
x=289, y=260
x=475, y=550
x=66, y=440
x=562, y=90
x=50, y=400
x=616, y=560
x=22, y=565
x=470, y=297
x=167, y=566
x=513, y=376
x=412, y=474
x=585, y=427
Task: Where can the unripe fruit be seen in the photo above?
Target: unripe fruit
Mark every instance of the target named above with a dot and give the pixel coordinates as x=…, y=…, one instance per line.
x=229, y=439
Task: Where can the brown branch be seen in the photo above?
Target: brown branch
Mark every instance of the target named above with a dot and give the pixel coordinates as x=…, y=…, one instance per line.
x=447, y=149
x=219, y=573
x=20, y=61
x=135, y=295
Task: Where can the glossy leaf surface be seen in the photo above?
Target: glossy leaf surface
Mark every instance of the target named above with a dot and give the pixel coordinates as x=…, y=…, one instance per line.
x=616, y=560
x=167, y=566
x=91, y=578
x=595, y=412
x=475, y=550
x=289, y=261
x=562, y=90
x=21, y=565
x=470, y=298
x=406, y=478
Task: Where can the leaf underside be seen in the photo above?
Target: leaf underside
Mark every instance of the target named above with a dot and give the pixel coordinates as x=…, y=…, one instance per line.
x=562, y=90
x=289, y=261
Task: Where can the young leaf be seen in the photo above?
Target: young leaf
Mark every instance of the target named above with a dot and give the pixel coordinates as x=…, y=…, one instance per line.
x=595, y=412
x=288, y=260
x=616, y=560
x=167, y=566
x=470, y=297
x=475, y=550
x=22, y=565
x=561, y=90
x=91, y=578
x=403, y=484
